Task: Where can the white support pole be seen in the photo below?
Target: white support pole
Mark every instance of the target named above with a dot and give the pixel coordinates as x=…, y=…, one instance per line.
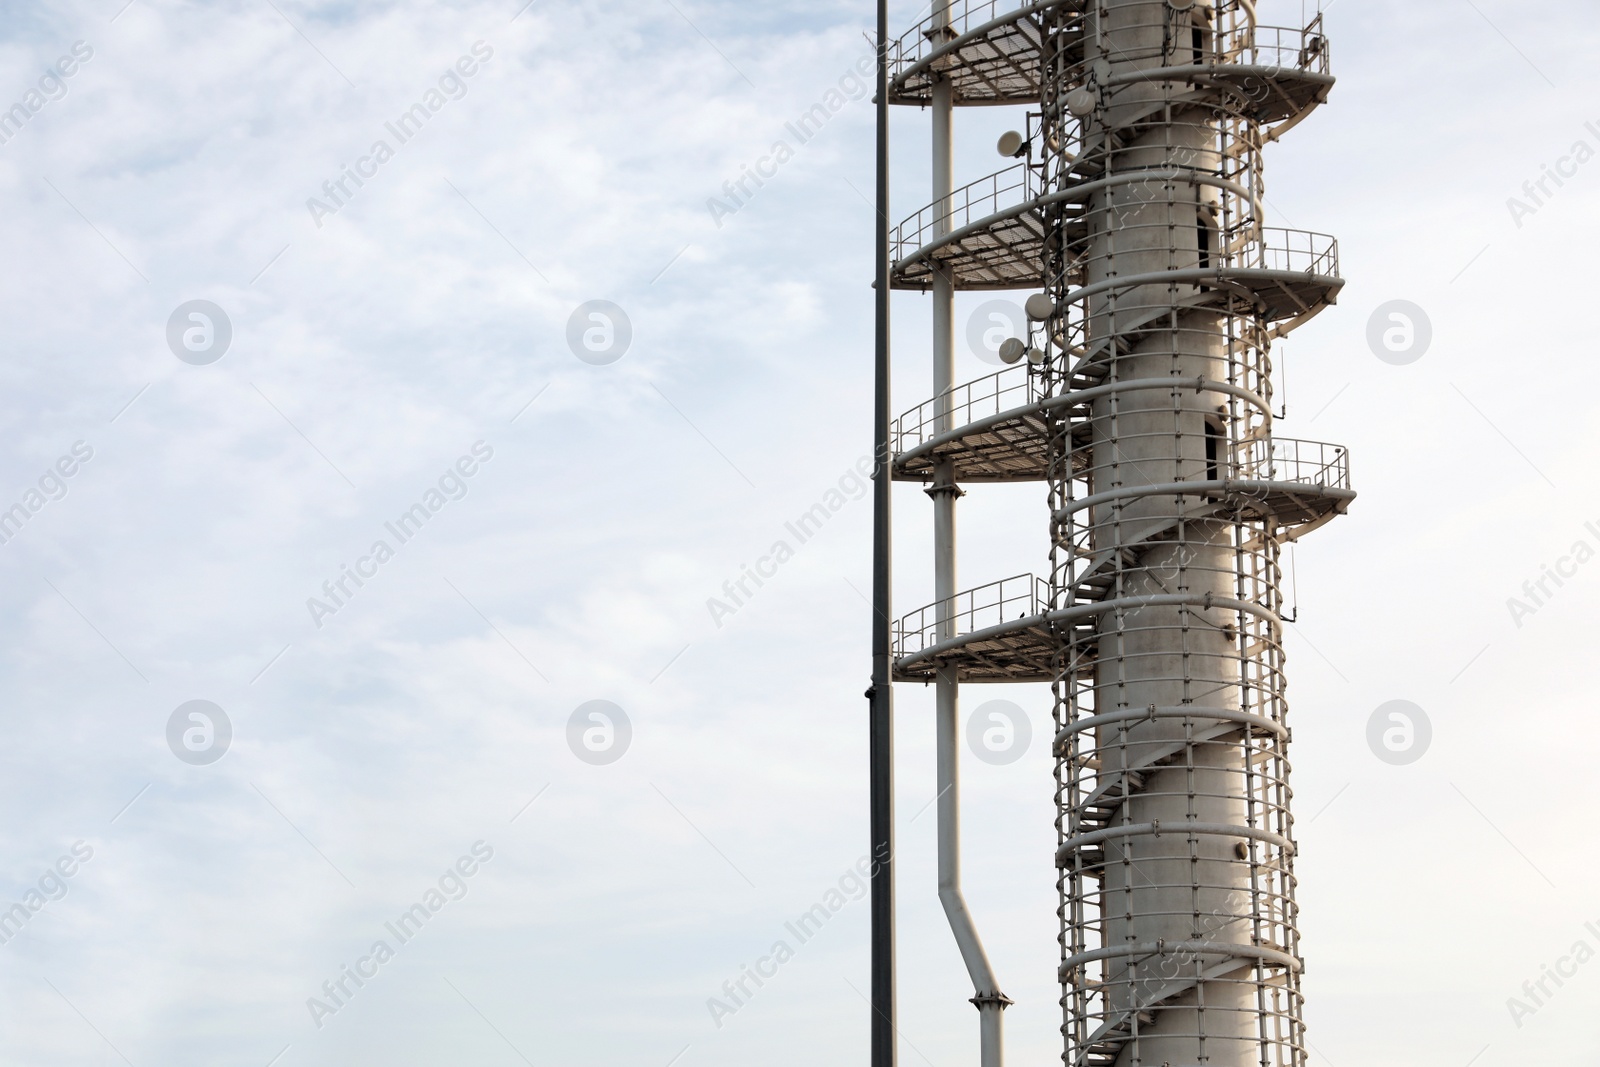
x=988, y=998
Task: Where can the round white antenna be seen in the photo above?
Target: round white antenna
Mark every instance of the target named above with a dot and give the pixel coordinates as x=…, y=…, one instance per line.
x=1039, y=307
x=1011, y=350
x=1081, y=103
x=1011, y=144
x=1035, y=356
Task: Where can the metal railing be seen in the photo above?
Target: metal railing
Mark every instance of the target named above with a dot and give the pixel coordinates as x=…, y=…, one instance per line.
x=1018, y=597
x=1013, y=387
x=1281, y=48
x=1285, y=459
x=920, y=41
x=1274, y=47
x=1267, y=247
x=1015, y=185
x=1243, y=44
x=1299, y=251
x=1312, y=464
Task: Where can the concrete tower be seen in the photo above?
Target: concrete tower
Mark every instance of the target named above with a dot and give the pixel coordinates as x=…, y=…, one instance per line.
x=1143, y=400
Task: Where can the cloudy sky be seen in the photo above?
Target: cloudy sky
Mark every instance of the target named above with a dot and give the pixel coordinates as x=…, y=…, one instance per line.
x=405, y=340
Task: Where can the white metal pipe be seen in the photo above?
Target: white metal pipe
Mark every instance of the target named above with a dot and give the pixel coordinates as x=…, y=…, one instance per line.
x=988, y=998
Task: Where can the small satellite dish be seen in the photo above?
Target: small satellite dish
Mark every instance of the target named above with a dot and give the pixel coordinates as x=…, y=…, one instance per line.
x=1081, y=103
x=1035, y=356
x=1011, y=144
x=1011, y=350
x=1039, y=307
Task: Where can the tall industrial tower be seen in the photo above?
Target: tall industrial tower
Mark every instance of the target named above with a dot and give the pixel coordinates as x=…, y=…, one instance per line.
x=1142, y=398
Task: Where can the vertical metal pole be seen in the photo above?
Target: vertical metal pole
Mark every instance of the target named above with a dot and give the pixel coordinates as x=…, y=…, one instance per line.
x=944, y=491
x=881, y=695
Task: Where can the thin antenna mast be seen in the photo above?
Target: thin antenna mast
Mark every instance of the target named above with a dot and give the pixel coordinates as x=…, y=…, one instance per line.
x=881, y=695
